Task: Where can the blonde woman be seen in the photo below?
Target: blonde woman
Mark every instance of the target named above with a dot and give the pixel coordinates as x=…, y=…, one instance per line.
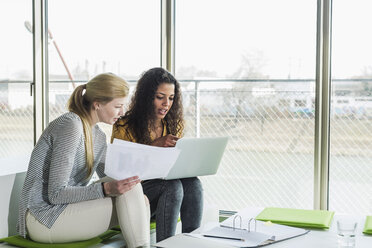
x=57, y=205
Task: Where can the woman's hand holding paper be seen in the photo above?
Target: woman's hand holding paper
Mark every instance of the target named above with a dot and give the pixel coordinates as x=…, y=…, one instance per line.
x=118, y=187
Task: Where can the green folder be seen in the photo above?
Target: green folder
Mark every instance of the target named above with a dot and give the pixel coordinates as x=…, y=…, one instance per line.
x=368, y=225
x=297, y=217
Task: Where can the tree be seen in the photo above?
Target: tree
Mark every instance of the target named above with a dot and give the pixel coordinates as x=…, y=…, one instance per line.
x=366, y=86
x=251, y=67
x=191, y=72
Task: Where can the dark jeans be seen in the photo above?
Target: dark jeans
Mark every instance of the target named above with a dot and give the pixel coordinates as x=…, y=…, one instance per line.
x=168, y=198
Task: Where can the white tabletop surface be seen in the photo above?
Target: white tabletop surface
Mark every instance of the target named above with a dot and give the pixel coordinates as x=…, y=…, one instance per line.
x=314, y=239
x=327, y=238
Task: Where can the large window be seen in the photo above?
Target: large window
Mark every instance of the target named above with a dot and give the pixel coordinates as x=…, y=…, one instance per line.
x=351, y=108
x=248, y=71
x=16, y=106
x=90, y=37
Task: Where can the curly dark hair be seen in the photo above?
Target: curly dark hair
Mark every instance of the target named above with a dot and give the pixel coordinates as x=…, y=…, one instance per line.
x=141, y=109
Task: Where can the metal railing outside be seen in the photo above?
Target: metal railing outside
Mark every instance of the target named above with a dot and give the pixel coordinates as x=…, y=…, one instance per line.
x=16, y=119
x=269, y=158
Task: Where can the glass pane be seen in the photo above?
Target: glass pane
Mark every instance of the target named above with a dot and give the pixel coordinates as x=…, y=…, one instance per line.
x=248, y=73
x=90, y=37
x=351, y=108
x=16, y=105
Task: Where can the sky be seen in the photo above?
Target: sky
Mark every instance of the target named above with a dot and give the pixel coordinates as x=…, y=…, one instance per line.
x=123, y=36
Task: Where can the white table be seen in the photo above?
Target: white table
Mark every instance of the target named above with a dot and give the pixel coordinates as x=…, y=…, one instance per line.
x=314, y=239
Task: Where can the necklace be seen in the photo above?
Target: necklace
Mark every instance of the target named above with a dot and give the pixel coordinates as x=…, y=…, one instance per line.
x=156, y=131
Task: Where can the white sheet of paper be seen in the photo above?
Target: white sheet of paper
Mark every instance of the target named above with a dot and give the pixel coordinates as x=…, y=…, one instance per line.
x=126, y=159
x=249, y=239
x=186, y=240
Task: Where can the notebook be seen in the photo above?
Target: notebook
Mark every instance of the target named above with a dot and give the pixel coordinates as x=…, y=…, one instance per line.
x=198, y=157
x=368, y=225
x=297, y=217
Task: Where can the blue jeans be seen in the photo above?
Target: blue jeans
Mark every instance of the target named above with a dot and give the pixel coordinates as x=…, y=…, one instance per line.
x=169, y=198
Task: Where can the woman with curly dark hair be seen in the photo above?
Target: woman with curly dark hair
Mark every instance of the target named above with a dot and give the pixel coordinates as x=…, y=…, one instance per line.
x=155, y=117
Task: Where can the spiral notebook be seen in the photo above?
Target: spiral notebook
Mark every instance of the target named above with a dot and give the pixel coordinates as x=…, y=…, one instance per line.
x=274, y=232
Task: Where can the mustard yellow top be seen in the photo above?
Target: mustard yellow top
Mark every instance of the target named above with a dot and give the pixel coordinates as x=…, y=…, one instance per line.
x=120, y=132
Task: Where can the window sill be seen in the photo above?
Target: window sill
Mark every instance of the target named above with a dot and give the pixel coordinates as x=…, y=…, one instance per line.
x=13, y=165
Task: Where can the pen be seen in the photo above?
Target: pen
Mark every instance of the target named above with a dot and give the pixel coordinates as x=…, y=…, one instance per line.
x=220, y=237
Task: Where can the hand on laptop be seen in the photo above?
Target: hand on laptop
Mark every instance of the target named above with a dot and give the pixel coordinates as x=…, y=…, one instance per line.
x=166, y=141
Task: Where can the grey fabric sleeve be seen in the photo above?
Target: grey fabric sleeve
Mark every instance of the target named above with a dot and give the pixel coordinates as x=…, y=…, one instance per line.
x=101, y=166
x=65, y=147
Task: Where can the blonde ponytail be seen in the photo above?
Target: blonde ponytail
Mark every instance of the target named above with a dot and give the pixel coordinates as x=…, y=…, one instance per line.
x=102, y=89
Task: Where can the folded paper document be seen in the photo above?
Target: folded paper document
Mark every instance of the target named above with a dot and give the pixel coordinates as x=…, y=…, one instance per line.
x=126, y=159
x=191, y=157
x=297, y=217
x=368, y=225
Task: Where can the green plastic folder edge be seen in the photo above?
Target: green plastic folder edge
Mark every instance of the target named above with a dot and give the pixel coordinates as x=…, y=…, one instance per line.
x=297, y=217
x=368, y=226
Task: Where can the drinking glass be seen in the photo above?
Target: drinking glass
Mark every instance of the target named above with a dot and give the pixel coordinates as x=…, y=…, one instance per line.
x=346, y=229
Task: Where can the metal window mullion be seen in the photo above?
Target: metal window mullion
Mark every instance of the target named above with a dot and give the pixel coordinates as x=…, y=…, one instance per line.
x=167, y=35
x=197, y=109
x=322, y=104
x=40, y=41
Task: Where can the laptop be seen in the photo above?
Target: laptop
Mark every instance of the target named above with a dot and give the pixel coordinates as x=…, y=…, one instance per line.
x=198, y=157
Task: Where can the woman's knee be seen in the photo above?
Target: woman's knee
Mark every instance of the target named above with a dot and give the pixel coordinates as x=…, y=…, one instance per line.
x=135, y=192
x=192, y=185
x=174, y=189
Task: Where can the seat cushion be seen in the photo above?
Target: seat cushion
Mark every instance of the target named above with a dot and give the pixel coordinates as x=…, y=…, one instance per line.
x=19, y=241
